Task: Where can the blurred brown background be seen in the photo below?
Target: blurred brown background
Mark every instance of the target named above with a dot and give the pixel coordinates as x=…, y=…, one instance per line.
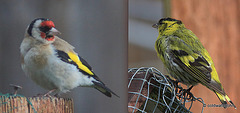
x=98, y=30
x=215, y=22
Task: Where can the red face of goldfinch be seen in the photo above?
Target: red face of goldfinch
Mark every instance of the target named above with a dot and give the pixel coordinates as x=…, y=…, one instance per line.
x=42, y=29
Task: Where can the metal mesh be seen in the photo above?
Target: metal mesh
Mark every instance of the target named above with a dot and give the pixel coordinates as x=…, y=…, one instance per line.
x=149, y=91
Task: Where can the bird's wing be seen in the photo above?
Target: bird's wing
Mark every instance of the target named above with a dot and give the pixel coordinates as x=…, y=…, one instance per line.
x=196, y=63
x=73, y=58
x=66, y=53
x=193, y=62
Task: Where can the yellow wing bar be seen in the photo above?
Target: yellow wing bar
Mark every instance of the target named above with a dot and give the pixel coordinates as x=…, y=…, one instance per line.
x=81, y=66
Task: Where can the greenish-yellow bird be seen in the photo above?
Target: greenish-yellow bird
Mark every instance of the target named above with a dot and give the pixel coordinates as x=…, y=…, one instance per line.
x=185, y=58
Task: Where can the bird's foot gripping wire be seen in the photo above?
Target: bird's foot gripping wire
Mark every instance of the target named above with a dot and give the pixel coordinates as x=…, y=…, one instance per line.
x=175, y=83
x=185, y=93
x=182, y=93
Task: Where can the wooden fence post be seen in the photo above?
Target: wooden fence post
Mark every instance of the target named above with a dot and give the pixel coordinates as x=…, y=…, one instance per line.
x=20, y=104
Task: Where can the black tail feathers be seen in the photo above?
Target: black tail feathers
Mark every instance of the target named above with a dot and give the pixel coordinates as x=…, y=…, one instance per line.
x=102, y=88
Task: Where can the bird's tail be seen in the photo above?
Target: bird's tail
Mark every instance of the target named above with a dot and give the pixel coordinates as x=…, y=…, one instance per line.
x=223, y=99
x=102, y=88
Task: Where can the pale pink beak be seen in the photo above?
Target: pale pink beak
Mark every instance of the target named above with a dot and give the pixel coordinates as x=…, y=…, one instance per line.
x=54, y=31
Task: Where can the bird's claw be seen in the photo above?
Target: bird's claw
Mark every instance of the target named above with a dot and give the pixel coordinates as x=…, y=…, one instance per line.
x=186, y=93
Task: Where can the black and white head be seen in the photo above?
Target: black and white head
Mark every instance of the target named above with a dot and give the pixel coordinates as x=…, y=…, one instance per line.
x=42, y=30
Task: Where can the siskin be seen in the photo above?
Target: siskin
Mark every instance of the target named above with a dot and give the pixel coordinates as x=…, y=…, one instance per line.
x=185, y=58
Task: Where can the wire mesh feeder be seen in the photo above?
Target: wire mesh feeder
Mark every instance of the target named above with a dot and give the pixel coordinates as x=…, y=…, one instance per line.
x=149, y=91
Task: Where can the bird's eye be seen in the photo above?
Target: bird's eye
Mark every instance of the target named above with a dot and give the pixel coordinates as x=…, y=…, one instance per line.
x=44, y=29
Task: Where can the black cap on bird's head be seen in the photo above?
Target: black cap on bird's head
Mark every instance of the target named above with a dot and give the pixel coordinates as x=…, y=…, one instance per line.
x=30, y=27
x=168, y=19
x=42, y=29
x=164, y=20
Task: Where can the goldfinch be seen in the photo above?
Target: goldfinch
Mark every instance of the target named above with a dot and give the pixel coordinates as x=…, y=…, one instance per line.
x=185, y=58
x=52, y=63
